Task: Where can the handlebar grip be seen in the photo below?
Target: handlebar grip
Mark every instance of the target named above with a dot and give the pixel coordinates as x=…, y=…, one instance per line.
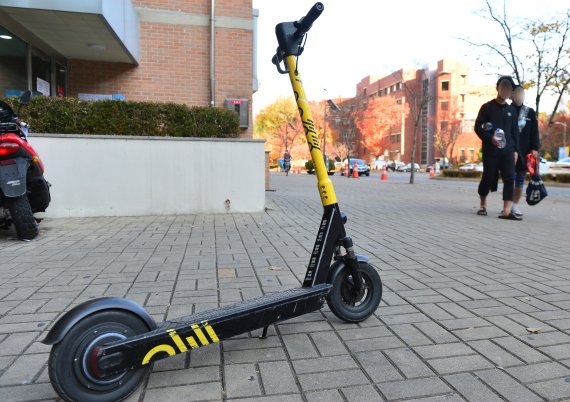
x=305, y=23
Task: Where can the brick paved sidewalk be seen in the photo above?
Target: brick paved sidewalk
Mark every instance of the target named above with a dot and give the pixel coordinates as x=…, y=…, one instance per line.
x=460, y=292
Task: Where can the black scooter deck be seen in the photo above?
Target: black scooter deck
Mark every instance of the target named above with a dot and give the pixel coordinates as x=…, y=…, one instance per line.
x=201, y=329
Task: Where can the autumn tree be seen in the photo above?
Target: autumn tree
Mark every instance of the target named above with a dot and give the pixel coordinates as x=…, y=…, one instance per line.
x=375, y=121
x=449, y=130
x=279, y=124
x=341, y=128
x=536, y=51
x=417, y=95
x=556, y=139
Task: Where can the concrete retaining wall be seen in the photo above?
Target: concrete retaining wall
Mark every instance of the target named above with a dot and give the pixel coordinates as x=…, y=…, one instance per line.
x=126, y=176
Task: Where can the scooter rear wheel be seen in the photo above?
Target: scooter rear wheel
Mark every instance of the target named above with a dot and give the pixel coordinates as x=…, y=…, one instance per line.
x=71, y=370
x=349, y=304
x=23, y=217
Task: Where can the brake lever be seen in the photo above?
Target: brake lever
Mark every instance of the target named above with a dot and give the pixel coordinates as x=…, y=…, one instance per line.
x=278, y=60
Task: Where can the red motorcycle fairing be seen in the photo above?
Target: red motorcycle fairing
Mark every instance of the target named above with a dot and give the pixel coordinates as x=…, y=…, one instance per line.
x=15, y=138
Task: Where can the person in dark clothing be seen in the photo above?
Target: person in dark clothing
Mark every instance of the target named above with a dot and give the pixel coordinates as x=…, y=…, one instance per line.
x=496, y=125
x=287, y=162
x=529, y=143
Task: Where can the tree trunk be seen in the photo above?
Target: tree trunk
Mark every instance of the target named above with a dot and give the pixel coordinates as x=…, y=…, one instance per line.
x=413, y=161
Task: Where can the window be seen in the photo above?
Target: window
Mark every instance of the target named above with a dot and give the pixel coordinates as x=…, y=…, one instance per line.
x=41, y=74
x=399, y=101
x=444, y=105
x=471, y=155
x=60, y=80
x=445, y=85
x=399, y=86
x=364, y=91
x=13, y=65
x=443, y=125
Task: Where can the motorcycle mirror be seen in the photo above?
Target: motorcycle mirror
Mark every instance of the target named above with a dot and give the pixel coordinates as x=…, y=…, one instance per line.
x=25, y=98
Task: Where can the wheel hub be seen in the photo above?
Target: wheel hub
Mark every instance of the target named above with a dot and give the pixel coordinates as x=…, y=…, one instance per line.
x=88, y=358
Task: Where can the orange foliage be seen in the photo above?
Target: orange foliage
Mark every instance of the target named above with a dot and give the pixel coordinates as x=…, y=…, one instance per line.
x=375, y=122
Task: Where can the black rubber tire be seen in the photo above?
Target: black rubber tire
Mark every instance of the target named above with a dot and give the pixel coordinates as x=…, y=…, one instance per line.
x=23, y=217
x=339, y=299
x=69, y=373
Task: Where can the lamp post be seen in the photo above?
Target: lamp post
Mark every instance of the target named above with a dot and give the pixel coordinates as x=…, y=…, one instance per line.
x=563, y=123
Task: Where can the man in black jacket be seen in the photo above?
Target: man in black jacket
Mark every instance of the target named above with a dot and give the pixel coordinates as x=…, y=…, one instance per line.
x=529, y=142
x=498, y=156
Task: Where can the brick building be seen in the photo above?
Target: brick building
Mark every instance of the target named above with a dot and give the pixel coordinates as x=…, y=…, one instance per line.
x=197, y=52
x=441, y=94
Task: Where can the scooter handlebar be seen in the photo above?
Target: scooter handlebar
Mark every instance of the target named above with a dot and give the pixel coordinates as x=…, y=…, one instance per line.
x=305, y=23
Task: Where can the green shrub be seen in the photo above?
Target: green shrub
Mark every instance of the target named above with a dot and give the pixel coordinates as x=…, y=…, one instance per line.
x=563, y=178
x=72, y=116
x=460, y=173
x=332, y=166
x=310, y=166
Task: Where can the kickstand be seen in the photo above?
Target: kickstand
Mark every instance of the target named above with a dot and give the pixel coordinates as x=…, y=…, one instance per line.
x=264, y=333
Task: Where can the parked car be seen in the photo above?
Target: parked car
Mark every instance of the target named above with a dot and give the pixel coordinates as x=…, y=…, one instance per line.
x=472, y=167
x=408, y=168
x=560, y=167
x=361, y=167
x=378, y=164
x=394, y=166
x=544, y=165
x=444, y=164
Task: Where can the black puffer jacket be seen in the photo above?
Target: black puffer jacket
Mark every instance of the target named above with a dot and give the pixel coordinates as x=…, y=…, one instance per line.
x=502, y=116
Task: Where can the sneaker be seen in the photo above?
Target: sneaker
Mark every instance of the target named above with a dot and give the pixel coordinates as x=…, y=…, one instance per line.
x=515, y=210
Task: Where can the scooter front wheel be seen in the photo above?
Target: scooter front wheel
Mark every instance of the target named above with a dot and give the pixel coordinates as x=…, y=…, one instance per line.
x=72, y=367
x=349, y=304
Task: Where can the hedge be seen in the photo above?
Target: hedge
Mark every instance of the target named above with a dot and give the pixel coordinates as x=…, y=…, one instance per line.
x=558, y=178
x=547, y=177
x=310, y=166
x=72, y=116
x=460, y=173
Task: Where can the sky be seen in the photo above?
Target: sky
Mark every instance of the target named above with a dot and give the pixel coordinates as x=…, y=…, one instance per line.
x=353, y=39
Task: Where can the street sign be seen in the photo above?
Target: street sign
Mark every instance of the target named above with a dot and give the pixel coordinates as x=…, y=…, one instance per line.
x=561, y=153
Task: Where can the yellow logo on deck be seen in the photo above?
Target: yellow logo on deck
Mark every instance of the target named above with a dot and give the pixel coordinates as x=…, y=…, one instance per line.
x=196, y=339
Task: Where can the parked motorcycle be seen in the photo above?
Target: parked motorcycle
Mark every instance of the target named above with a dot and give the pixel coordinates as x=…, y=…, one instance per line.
x=23, y=188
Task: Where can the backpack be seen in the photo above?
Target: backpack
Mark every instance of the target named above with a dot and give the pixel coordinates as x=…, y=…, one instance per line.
x=536, y=191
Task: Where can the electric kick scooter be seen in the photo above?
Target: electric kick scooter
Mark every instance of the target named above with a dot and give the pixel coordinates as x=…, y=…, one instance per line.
x=103, y=349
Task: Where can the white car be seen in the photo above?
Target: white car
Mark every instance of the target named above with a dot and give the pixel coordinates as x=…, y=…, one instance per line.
x=560, y=167
x=408, y=168
x=472, y=167
x=378, y=164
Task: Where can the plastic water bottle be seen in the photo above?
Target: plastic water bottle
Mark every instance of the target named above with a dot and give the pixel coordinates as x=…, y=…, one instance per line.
x=487, y=126
x=500, y=139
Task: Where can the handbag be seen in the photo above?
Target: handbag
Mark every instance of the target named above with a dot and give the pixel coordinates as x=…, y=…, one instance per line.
x=536, y=191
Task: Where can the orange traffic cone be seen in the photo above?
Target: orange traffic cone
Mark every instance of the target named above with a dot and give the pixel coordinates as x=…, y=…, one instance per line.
x=384, y=174
x=355, y=170
x=432, y=171
x=346, y=169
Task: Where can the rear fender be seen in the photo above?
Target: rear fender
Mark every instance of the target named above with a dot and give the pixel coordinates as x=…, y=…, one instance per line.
x=13, y=178
x=71, y=318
